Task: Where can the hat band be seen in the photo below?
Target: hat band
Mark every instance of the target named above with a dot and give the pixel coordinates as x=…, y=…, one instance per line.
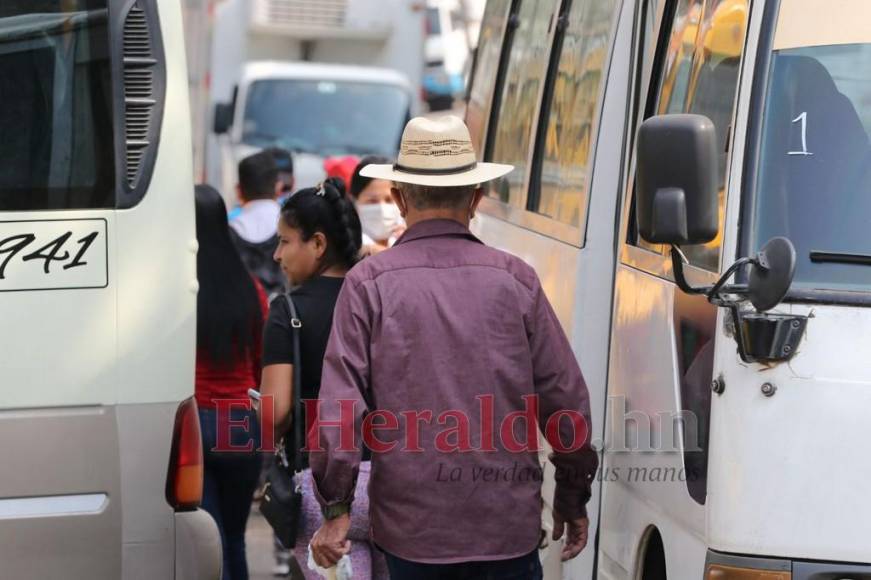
x=447, y=171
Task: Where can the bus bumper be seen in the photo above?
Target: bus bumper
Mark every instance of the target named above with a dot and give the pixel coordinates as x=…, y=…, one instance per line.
x=198, y=553
x=720, y=566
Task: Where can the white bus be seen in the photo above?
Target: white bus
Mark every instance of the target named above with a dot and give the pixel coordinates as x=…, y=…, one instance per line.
x=731, y=417
x=101, y=454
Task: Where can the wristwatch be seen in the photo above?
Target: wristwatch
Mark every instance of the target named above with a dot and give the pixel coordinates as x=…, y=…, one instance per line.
x=335, y=510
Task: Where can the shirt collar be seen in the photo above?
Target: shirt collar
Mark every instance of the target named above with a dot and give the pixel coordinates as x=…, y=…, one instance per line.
x=261, y=205
x=436, y=228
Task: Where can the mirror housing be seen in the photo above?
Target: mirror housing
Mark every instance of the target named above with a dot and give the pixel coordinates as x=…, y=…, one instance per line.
x=771, y=274
x=676, y=185
x=223, y=118
x=761, y=336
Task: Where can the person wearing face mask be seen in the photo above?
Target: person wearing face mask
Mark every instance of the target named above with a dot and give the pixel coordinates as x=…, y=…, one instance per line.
x=379, y=215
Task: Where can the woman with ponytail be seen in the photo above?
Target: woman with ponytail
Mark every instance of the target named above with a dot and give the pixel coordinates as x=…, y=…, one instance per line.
x=319, y=238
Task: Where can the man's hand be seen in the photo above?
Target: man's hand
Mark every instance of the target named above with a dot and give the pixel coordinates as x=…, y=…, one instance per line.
x=576, y=538
x=331, y=542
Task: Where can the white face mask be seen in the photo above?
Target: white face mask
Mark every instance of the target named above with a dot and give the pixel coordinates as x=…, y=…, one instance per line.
x=379, y=219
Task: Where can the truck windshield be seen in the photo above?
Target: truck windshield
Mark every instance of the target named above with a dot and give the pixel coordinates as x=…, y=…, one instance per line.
x=814, y=153
x=325, y=117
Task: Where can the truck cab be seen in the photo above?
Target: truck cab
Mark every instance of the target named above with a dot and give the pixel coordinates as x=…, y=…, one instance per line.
x=314, y=111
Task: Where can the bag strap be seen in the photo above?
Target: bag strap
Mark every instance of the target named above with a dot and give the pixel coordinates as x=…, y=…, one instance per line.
x=299, y=438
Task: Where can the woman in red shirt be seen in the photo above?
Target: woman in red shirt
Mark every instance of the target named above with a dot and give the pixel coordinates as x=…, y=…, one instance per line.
x=231, y=306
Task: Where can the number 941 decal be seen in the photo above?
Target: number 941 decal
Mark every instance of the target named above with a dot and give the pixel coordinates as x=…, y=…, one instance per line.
x=53, y=255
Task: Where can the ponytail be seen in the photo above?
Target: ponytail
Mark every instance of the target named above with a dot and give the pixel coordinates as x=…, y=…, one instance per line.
x=349, y=233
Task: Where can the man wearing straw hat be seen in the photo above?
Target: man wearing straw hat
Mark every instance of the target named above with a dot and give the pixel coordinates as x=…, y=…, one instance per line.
x=455, y=353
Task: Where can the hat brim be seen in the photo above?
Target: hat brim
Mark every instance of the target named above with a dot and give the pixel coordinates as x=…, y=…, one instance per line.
x=481, y=173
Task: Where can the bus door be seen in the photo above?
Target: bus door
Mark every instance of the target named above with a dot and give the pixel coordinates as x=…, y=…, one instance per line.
x=663, y=340
x=538, y=101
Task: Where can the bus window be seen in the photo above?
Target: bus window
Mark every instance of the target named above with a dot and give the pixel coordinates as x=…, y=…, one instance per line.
x=713, y=89
x=568, y=137
x=483, y=86
x=701, y=77
x=527, y=69
x=57, y=148
x=679, y=59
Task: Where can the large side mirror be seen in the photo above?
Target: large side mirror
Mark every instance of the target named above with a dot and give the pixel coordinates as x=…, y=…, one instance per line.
x=223, y=118
x=676, y=186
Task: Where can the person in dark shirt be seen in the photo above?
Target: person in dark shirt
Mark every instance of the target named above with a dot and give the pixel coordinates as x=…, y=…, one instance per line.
x=319, y=239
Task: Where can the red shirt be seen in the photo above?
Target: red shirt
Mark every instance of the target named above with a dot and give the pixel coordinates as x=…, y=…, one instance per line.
x=230, y=382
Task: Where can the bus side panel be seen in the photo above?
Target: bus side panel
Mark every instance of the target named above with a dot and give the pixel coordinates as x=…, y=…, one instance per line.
x=60, y=514
x=156, y=253
x=60, y=487
x=157, y=286
x=145, y=435
x=552, y=261
x=58, y=342
x=789, y=472
x=646, y=484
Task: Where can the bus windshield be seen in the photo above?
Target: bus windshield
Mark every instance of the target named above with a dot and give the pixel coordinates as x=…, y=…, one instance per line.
x=325, y=117
x=813, y=184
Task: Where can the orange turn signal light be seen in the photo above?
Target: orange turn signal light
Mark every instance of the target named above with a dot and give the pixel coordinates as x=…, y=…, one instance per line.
x=722, y=572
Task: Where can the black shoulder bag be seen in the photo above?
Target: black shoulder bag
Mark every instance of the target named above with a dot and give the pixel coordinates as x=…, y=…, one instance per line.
x=282, y=493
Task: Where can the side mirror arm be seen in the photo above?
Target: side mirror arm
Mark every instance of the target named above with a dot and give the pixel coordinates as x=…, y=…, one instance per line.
x=714, y=293
x=760, y=336
x=678, y=259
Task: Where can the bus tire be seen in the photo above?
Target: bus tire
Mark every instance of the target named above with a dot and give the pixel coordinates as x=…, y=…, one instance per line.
x=653, y=560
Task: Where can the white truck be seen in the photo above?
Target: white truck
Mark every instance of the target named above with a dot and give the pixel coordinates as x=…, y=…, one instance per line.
x=263, y=87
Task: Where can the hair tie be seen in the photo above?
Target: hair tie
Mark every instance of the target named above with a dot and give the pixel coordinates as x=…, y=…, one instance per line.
x=322, y=191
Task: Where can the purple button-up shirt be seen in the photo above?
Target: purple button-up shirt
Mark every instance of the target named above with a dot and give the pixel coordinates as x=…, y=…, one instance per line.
x=451, y=346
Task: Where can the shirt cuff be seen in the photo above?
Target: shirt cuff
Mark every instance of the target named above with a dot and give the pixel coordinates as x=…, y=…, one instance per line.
x=327, y=503
x=568, y=507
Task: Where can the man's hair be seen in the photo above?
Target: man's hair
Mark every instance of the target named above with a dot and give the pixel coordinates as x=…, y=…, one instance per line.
x=433, y=197
x=258, y=176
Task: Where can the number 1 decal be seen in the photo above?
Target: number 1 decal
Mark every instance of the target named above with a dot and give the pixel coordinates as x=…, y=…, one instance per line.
x=85, y=243
x=803, y=119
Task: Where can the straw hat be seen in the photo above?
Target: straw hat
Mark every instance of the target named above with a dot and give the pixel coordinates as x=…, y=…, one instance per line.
x=437, y=153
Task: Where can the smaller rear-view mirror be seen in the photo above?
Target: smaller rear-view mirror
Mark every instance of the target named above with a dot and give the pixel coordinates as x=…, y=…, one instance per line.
x=223, y=118
x=771, y=274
